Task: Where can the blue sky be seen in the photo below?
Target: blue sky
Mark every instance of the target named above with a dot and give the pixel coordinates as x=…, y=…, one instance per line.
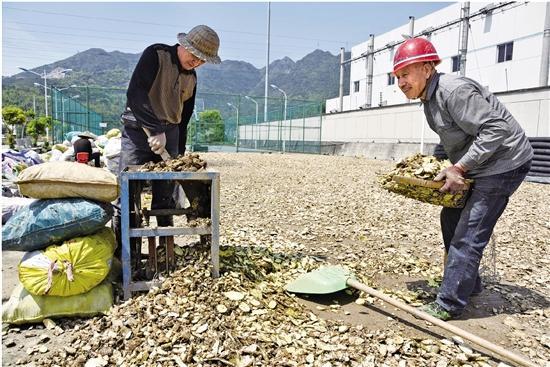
x=34, y=34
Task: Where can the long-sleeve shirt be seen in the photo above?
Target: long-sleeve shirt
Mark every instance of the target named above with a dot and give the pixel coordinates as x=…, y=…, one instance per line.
x=475, y=129
x=161, y=92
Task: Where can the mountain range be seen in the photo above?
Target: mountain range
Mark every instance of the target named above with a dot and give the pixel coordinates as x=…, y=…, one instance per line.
x=314, y=77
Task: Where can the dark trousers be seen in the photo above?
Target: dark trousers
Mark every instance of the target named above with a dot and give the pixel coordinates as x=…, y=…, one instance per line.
x=96, y=157
x=466, y=232
x=135, y=150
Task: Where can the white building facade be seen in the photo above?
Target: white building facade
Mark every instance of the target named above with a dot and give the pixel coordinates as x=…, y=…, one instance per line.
x=504, y=51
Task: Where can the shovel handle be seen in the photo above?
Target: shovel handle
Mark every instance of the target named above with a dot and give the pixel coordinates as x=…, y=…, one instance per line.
x=164, y=154
x=442, y=324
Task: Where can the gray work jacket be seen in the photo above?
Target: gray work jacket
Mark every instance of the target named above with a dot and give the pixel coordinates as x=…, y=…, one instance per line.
x=475, y=129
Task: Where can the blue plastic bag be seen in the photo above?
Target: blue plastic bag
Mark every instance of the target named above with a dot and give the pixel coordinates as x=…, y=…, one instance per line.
x=71, y=134
x=50, y=221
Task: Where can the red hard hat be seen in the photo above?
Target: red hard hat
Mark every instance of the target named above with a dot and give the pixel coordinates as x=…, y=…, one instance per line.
x=414, y=50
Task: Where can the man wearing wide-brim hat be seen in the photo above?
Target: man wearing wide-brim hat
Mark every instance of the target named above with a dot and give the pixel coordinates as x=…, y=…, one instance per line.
x=160, y=102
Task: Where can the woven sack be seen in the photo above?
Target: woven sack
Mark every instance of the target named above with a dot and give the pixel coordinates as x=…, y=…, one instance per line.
x=23, y=307
x=72, y=268
x=54, y=180
x=49, y=221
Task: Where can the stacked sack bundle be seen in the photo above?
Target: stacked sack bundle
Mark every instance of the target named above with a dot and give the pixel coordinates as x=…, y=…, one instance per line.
x=69, y=248
x=111, y=150
x=108, y=145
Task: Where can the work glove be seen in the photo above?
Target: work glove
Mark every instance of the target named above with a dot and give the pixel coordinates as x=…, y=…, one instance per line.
x=454, y=180
x=157, y=143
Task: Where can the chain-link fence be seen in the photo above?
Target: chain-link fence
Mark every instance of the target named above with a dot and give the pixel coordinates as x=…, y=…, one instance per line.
x=285, y=125
x=82, y=108
x=221, y=122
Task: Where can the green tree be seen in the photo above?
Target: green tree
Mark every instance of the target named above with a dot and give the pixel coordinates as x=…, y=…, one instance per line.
x=29, y=115
x=37, y=127
x=211, y=126
x=11, y=117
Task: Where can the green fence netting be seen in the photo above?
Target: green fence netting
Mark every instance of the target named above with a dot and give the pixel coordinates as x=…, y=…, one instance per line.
x=220, y=121
x=248, y=125
x=91, y=109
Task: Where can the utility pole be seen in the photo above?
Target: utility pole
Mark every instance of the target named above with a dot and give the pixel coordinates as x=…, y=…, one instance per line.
x=370, y=65
x=545, y=60
x=411, y=35
x=341, y=91
x=464, y=37
x=411, y=26
x=266, y=91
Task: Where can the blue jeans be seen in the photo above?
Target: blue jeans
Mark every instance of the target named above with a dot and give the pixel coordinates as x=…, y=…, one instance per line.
x=466, y=232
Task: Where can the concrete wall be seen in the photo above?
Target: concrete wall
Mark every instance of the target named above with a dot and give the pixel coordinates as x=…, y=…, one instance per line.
x=393, y=132
x=406, y=122
x=521, y=23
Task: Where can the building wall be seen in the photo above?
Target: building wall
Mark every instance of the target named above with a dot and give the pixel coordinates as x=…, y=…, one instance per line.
x=520, y=23
x=403, y=123
x=406, y=123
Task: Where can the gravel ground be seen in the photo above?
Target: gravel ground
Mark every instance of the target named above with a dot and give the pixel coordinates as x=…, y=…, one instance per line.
x=331, y=209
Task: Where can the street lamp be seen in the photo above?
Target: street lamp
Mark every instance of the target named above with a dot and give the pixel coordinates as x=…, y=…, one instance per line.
x=284, y=114
x=45, y=76
x=256, y=125
x=45, y=87
x=237, y=129
x=46, y=107
x=284, y=94
x=63, y=100
x=252, y=99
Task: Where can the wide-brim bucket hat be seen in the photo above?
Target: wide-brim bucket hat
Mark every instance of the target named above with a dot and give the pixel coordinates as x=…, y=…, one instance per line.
x=203, y=42
x=87, y=135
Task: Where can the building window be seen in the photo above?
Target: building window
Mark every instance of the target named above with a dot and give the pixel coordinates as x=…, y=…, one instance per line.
x=456, y=63
x=391, y=79
x=392, y=53
x=356, y=86
x=505, y=51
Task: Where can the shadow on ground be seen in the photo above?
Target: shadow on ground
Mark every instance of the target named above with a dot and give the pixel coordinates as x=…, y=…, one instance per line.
x=496, y=298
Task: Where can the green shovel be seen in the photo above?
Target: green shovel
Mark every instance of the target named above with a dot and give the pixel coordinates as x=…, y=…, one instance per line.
x=331, y=279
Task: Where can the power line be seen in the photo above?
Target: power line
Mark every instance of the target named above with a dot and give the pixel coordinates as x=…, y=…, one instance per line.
x=287, y=46
x=76, y=35
x=119, y=20
x=30, y=49
x=247, y=51
x=435, y=29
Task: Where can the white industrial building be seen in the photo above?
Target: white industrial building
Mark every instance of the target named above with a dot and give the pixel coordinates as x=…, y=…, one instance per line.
x=507, y=49
x=504, y=51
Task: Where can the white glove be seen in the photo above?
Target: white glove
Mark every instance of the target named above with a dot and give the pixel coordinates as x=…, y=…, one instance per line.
x=157, y=143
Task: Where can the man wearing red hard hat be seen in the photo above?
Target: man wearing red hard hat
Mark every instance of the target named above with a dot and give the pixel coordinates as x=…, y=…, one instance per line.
x=483, y=141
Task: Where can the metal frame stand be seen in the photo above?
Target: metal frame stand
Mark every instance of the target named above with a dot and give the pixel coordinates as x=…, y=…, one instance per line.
x=165, y=234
